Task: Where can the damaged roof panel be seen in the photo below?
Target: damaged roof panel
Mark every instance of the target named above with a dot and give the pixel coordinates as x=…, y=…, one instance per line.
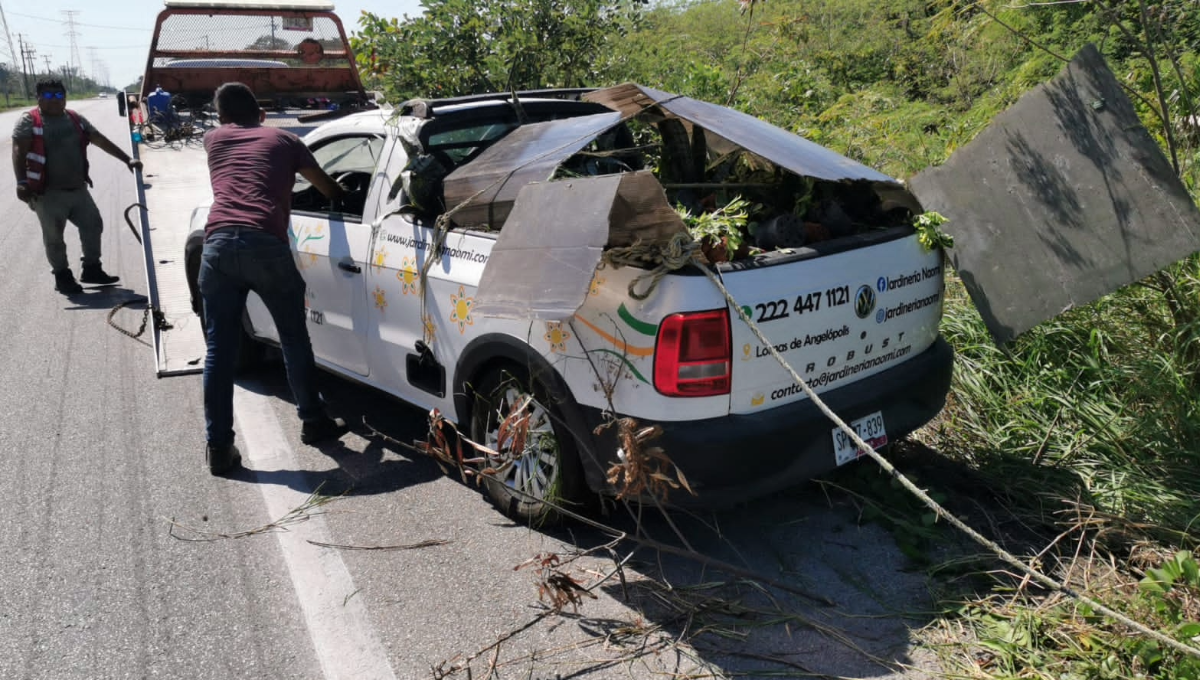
x=488, y=185
x=779, y=146
x=540, y=270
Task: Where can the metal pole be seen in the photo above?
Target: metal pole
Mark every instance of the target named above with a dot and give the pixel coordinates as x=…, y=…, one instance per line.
x=148, y=260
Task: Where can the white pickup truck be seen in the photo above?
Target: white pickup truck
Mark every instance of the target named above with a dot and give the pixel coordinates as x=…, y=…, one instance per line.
x=469, y=270
x=500, y=305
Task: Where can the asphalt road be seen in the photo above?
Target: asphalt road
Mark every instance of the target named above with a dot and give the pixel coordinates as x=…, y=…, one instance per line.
x=121, y=557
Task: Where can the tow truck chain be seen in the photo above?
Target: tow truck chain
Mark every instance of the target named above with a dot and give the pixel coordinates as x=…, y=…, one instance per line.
x=141, y=329
x=160, y=322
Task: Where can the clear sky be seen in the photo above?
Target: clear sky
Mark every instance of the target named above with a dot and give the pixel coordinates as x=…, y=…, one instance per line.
x=120, y=31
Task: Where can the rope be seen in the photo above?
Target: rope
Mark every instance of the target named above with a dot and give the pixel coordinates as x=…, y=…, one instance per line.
x=675, y=254
x=670, y=256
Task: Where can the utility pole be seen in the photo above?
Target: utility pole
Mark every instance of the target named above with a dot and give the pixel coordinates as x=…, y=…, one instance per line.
x=26, y=62
x=74, y=61
x=49, y=69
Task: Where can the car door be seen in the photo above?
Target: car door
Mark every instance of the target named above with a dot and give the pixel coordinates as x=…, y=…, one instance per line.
x=332, y=244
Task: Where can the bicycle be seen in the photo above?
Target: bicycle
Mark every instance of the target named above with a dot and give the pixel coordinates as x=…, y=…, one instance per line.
x=170, y=128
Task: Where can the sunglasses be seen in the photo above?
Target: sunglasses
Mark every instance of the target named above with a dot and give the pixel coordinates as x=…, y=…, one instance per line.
x=53, y=95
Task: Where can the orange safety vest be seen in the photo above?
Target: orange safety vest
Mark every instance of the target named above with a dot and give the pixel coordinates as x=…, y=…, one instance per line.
x=35, y=160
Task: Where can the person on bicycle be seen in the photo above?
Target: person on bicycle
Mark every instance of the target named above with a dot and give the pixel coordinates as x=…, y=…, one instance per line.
x=160, y=112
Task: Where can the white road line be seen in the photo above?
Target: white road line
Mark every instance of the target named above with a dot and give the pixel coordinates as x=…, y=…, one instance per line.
x=337, y=619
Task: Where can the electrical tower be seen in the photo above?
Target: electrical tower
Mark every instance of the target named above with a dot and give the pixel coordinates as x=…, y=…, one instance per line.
x=74, y=61
x=92, y=59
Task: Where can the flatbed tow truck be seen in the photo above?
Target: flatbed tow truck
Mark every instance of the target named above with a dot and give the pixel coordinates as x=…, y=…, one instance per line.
x=296, y=58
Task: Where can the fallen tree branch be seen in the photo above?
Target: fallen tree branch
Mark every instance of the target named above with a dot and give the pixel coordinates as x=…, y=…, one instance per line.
x=412, y=546
x=644, y=542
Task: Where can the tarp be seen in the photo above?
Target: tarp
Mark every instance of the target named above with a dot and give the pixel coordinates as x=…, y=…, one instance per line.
x=543, y=262
x=1064, y=198
x=777, y=145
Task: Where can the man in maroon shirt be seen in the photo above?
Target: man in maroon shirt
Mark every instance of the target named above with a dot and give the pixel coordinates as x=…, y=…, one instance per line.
x=253, y=169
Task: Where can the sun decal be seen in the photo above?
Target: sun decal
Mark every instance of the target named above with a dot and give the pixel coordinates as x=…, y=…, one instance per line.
x=460, y=309
x=380, y=258
x=407, y=274
x=380, y=298
x=430, y=328
x=597, y=281
x=557, y=336
x=305, y=258
x=302, y=260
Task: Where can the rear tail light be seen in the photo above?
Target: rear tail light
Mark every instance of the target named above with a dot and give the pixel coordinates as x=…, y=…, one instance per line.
x=692, y=356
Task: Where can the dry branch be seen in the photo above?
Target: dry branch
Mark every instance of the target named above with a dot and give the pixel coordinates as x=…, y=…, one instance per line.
x=302, y=513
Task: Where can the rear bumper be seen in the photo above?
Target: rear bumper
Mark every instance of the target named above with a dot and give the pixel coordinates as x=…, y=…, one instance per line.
x=739, y=457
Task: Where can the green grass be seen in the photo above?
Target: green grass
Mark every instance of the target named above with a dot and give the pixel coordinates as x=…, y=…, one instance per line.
x=1086, y=428
x=14, y=102
x=1105, y=393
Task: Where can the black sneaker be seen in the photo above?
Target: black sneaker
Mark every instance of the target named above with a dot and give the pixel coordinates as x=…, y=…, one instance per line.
x=96, y=274
x=321, y=429
x=64, y=282
x=222, y=459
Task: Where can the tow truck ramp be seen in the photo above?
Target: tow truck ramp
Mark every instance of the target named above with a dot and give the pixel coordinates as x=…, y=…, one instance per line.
x=174, y=183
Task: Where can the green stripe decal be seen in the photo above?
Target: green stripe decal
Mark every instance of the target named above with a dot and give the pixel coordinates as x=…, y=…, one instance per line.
x=635, y=323
x=628, y=365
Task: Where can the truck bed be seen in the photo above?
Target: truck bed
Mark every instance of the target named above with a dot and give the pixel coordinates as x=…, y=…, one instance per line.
x=174, y=181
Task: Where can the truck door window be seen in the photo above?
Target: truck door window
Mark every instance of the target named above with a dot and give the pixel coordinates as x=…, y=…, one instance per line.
x=349, y=160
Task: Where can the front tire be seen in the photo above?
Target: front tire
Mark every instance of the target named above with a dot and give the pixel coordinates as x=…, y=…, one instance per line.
x=546, y=472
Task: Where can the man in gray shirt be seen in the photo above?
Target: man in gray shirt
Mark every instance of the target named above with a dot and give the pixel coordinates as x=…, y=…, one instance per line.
x=50, y=162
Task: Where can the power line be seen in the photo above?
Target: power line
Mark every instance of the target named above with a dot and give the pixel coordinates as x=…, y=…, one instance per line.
x=114, y=28
x=140, y=48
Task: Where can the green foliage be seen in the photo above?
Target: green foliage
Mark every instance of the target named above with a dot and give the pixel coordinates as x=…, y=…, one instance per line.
x=929, y=232
x=726, y=224
x=1070, y=641
x=462, y=47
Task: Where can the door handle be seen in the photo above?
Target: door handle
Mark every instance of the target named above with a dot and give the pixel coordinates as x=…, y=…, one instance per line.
x=350, y=267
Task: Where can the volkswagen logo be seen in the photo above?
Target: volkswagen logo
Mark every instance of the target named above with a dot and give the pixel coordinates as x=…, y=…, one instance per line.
x=864, y=302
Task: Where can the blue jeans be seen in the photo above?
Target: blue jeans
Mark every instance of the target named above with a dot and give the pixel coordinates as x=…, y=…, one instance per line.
x=235, y=261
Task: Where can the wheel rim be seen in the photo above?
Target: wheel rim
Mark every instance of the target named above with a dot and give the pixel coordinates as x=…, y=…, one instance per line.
x=534, y=469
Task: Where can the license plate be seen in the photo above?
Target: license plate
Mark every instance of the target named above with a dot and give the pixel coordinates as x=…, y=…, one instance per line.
x=870, y=429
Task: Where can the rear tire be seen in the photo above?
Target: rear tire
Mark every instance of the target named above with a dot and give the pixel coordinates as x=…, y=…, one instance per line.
x=250, y=351
x=548, y=469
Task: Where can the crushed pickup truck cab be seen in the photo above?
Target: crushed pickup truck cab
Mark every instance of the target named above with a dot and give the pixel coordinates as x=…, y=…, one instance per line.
x=468, y=274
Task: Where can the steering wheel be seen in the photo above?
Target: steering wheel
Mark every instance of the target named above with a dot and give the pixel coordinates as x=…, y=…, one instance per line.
x=356, y=183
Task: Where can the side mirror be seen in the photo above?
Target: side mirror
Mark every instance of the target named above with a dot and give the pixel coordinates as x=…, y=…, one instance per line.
x=121, y=103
